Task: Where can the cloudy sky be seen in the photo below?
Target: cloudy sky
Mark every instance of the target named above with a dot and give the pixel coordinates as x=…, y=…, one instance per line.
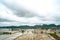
x=30, y=12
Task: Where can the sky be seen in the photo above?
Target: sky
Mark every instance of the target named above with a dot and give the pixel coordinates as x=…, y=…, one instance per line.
x=29, y=12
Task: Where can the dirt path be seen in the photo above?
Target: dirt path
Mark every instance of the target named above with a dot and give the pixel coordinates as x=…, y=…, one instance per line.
x=33, y=37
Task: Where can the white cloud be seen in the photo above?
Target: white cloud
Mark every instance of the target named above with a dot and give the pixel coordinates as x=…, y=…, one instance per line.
x=41, y=7
x=8, y=14
x=45, y=8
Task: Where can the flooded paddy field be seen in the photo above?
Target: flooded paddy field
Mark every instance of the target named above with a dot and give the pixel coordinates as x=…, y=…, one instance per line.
x=26, y=34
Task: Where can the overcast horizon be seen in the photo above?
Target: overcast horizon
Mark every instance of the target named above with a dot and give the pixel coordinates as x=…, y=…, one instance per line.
x=30, y=12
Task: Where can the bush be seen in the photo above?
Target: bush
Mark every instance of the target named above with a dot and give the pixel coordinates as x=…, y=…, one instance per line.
x=6, y=32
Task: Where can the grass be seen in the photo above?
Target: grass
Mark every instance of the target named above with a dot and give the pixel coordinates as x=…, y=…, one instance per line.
x=6, y=32
x=55, y=36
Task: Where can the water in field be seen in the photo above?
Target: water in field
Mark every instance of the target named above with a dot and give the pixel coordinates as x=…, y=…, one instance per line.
x=9, y=34
x=3, y=37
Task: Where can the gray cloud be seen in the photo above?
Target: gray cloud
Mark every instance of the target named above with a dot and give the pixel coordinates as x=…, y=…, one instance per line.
x=57, y=18
x=6, y=20
x=28, y=16
x=19, y=11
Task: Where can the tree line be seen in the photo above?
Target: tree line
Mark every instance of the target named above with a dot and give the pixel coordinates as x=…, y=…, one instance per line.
x=35, y=26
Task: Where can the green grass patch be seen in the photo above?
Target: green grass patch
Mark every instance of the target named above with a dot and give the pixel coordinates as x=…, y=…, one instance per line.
x=55, y=36
x=6, y=32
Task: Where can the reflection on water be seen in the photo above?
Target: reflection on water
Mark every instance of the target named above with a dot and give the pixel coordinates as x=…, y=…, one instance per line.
x=5, y=33
x=4, y=36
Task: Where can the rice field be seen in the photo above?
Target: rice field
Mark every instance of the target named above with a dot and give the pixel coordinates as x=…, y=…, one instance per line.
x=28, y=34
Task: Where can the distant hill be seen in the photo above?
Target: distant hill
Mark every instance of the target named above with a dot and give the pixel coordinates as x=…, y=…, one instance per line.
x=35, y=26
